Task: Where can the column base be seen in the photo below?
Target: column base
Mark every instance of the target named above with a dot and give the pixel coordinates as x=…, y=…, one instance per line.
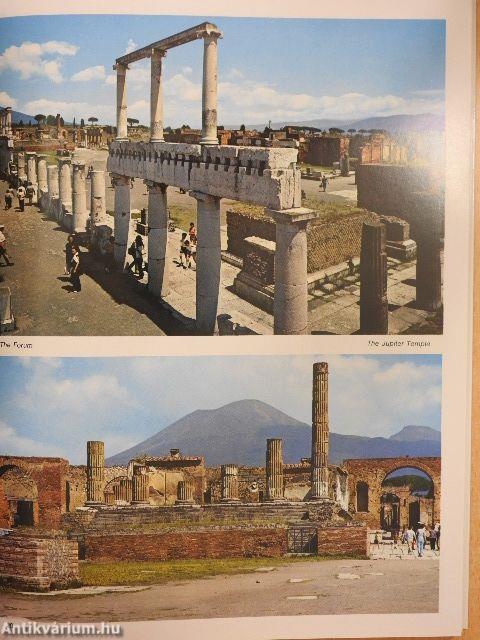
x=157, y=140
x=229, y=500
x=184, y=502
x=208, y=141
x=135, y=503
x=92, y=503
x=121, y=139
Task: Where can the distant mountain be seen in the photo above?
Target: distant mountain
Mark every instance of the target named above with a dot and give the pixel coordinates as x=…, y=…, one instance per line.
x=414, y=433
x=18, y=115
x=237, y=432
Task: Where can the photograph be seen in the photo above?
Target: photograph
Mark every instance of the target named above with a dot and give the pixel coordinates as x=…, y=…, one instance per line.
x=176, y=488
x=184, y=175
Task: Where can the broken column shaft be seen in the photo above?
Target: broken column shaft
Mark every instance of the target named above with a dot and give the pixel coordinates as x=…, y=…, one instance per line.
x=319, y=461
x=229, y=483
x=95, y=471
x=185, y=492
x=373, y=280
x=140, y=483
x=274, y=470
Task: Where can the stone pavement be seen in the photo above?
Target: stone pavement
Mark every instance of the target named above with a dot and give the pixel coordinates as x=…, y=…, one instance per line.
x=309, y=587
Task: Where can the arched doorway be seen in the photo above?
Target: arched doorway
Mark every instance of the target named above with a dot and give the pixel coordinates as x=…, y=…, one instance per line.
x=408, y=499
x=20, y=495
x=389, y=512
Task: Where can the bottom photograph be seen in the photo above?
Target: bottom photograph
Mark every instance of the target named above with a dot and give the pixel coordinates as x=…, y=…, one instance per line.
x=156, y=488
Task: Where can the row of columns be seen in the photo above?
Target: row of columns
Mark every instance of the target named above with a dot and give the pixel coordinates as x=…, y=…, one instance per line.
x=209, y=94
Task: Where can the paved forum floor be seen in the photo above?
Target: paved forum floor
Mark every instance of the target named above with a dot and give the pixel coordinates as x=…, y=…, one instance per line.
x=382, y=586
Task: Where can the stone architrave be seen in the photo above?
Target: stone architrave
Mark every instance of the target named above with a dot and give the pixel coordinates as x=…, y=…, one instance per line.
x=229, y=483
x=209, y=260
x=157, y=239
x=209, y=90
x=373, y=280
x=185, y=492
x=79, y=198
x=140, y=484
x=122, y=125
x=121, y=218
x=428, y=223
x=274, y=470
x=320, y=432
x=97, y=195
x=95, y=472
x=291, y=293
x=156, y=98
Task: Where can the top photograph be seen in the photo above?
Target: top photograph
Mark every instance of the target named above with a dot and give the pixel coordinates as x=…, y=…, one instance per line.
x=186, y=175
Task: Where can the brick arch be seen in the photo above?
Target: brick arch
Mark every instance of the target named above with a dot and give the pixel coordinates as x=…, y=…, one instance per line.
x=49, y=474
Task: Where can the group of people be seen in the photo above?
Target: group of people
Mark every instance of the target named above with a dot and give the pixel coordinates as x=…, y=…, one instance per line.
x=72, y=263
x=188, y=247
x=26, y=190
x=418, y=539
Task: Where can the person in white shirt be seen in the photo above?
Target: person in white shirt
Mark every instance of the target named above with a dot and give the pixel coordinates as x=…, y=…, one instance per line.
x=21, y=197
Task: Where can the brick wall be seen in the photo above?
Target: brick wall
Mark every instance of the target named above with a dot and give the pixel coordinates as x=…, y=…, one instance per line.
x=349, y=540
x=229, y=543
x=38, y=564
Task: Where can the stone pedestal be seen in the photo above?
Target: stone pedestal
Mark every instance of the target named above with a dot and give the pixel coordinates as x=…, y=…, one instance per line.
x=320, y=432
x=209, y=261
x=209, y=90
x=121, y=223
x=185, y=492
x=157, y=239
x=95, y=472
x=97, y=196
x=274, y=470
x=122, y=130
x=64, y=186
x=79, y=199
x=373, y=280
x=140, y=483
x=156, y=100
x=429, y=223
x=291, y=295
x=229, y=483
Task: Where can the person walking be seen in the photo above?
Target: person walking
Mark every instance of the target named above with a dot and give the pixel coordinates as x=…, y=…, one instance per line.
x=3, y=249
x=183, y=250
x=324, y=183
x=410, y=536
x=69, y=254
x=433, y=539
x=8, y=198
x=139, y=255
x=21, y=197
x=75, y=270
x=420, y=536
x=192, y=233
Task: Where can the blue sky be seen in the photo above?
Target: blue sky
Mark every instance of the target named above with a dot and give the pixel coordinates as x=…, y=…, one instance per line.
x=278, y=69
x=52, y=406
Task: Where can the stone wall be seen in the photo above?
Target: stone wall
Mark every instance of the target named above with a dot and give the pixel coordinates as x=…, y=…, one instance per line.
x=177, y=545
x=38, y=564
x=328, y=242
x=325, y=150
x=350, y=540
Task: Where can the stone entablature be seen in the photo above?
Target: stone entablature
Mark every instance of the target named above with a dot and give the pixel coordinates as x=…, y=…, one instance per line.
x=263, y=176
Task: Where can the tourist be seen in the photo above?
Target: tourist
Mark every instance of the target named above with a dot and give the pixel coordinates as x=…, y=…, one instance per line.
x=68, y=254
x=3, y=250
x=8, y=198
x=75, y=270
x=324, y=183
x=433, y=539
x=21, y=197
x=410, y=535
x=192, y=233
x=30, y=192
x=188, y=254
x=420, y=540
x=139, y=254
x=183, y=249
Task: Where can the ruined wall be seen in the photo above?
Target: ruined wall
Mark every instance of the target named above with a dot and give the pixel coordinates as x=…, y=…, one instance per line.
x=38, y=564
x=326, y=150
x=328, y=242
x=227, y=543
x=349, y=540
x=76, y=483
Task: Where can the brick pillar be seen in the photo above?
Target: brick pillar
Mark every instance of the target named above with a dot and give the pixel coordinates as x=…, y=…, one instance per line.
x=319, y=462
x=274, y=469
x=185, y=492
x=140, y=485
x=95, y=471
x=373, y=280
x=229, y=479
x=428, y=225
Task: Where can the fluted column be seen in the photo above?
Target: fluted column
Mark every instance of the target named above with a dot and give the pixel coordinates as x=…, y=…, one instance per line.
x=42, y=173
x=122, y=125
x=95, y=471
x=140, y=483
x=209, y=259
x=123, y=490
x=32, y=169
x=209, y=90
x=52, y=184
x=157, y=239
x=290, y=302
x=274, y=470
x=109, y=498
x=121, y=217
x=64, y=186
x=229, y=483
x=185, y=492
x=79, y=198
x=428, y=226
x=22, y=175
x=97, y=195
x=8, y=121
x=156, y=98
x=373, y=280
x=320, y=432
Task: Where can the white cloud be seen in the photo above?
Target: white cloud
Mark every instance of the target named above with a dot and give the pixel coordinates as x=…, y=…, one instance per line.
x=187, y=71
x=29, y=59
x=6, y=100
x=14, y=444
x=69, y=110
x=131, y=46
x=90, y=73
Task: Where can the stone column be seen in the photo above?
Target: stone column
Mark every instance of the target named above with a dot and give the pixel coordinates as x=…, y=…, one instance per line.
x=428, y=226
x=185, y=492
x=140, y=485
x=209, y=259
x=209, y=90
x=123, y=491
x=274, y=470
x=229, y=479
x=157, y=239
x=8, y=121
x=79, y=198
x=156, y=99
x=3, y=118
x=122, y=130
x=22, y=175
x=121, y=217
x=290, y=312
x=31, y=167
x=95, y=471
x=319, y=461
x=52, y=182
x=42, y=173
x=97, y=196
x=373, y=280
x=109, y=498
x=64, y=186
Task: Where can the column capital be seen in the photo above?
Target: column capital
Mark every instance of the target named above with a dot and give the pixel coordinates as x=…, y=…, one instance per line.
x=64, y=160
x=120, y=67
x=299, y=216
x=203, y=197
x=155, y=186
x=120, y=180
x=161, y=53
